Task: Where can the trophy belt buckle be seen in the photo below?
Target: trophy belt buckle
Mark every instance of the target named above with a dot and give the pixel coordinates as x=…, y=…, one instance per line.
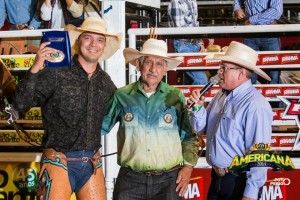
x=220, y=171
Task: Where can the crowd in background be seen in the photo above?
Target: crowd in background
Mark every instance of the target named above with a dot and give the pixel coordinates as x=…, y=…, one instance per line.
x=36, y=14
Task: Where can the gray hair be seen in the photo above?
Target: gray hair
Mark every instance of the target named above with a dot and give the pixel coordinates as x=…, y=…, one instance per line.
x=142, y=60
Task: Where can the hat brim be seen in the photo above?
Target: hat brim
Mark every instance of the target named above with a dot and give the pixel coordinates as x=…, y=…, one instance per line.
x=113, y=41
x=132, y=55
x=244, y=64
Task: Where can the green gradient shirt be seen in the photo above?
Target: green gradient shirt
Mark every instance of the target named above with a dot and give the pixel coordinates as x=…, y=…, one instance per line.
x=149, y=135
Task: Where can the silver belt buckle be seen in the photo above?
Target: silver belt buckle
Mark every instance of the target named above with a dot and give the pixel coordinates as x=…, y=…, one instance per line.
x=85, y=159
x=220, y=171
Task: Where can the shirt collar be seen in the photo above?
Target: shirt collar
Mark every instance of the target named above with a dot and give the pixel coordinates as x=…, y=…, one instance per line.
x=76, y=66
x=239, y=90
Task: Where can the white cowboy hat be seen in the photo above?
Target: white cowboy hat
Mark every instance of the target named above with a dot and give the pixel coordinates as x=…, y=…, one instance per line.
x=244, y=56
x=152, y=47
x=95, y=25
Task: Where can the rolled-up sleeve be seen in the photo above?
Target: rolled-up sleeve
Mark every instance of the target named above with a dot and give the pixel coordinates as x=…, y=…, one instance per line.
x=46, y=12
x=75, y=9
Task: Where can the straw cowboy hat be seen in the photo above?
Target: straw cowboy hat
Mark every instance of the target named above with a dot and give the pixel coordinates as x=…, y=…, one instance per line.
x=152, y=47
x=95, y=25
x=244, y=56
x=213, y=48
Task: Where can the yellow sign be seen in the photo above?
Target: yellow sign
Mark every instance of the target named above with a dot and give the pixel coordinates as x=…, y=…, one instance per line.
x=13, y=62
x=12, y=138
x=18, y=180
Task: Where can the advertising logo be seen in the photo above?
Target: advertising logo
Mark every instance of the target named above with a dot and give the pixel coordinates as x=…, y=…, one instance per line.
x=260, y=156
x=25, y=177
x=292, y=111
x=275, y=189
x=195, y=189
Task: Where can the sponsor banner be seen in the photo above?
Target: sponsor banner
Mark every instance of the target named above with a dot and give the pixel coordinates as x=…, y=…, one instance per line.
x=272, y=91
x=263, y=59
x=195, y=189
x=269, y=59
x=292, y=58
x=19, y=180
x=185, y=90
x=280, y=185
x=275, y=189
x=12, y=138
x=194, y=61
x=283, y=141
x=18, y=62
x=265, y=91
x=33, y=114
x=290, y=91
x=212, y=62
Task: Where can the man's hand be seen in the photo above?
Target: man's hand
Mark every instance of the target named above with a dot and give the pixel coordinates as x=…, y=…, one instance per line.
x=183, y=179
x=247, y=22
x=41, y=55
x=240, y=14
x=195, y=97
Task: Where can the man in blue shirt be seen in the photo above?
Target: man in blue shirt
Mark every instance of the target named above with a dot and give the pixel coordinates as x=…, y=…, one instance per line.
x=237, y=118
x=262, y=12
x=21, y=14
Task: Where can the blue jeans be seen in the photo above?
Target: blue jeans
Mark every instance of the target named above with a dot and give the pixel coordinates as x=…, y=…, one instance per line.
x=132, y=185
x=79, y=172
x=228, y=187
x=198, y=77
x=265, y=44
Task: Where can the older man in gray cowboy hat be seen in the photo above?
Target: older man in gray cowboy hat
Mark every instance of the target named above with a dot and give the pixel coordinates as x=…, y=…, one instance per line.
x=236, y=119
x=73, y=102
x=157, y=148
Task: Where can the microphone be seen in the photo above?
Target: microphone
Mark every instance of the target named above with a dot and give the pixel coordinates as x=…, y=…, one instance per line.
x=212, y=81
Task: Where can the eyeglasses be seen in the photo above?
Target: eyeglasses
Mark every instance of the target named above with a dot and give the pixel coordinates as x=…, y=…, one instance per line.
x=224, y=68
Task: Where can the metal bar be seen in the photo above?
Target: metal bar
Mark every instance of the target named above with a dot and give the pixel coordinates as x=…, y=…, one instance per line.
x=219, y=30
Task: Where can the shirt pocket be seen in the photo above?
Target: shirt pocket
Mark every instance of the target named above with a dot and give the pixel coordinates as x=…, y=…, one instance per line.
x=228, y=128
x=167, y=117
x=130, y=116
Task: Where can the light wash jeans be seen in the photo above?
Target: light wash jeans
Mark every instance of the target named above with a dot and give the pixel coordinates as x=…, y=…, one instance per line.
x=198, y=77
x=265, y=44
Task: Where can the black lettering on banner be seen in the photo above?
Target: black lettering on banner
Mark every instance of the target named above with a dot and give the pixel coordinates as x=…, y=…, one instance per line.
x=4, y=178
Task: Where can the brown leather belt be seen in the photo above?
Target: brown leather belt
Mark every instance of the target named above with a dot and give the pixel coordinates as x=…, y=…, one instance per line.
x=19, y=26
x=157, y=173
x=95, y=159
x=83, y=159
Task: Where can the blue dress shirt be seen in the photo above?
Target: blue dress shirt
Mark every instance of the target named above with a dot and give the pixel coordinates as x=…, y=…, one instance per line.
x=19, y=12
x=235, y=122
x=260, y=12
